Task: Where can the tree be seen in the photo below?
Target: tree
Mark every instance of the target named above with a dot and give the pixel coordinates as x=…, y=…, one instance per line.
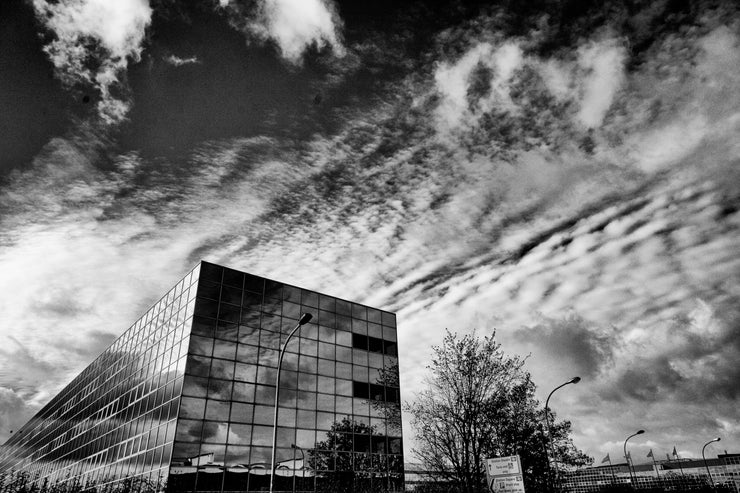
x=480, y=403
x=332, y=458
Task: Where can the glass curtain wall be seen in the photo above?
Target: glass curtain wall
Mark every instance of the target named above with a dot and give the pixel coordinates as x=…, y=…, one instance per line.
x=113, y=426
x=339, y=426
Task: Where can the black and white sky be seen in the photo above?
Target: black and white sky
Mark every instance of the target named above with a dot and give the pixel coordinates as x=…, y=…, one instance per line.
x=562, y=171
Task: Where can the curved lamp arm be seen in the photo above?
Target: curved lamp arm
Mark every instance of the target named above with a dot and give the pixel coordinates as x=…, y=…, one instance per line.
x=305, y=318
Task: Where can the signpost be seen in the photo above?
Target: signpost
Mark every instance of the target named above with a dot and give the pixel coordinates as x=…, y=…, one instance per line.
x=505, y=474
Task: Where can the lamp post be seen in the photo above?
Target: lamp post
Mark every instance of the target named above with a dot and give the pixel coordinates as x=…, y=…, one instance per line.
x=705, y=461
x=303, y=462
x=629, y=467
x=305, y=318
x=573, y=380
x=300, y=449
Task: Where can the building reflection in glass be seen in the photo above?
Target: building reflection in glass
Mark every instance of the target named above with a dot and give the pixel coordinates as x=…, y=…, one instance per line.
x=183, y=401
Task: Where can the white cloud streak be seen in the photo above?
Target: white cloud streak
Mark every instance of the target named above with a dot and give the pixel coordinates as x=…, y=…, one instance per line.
x=602, y=63
x=179, y=62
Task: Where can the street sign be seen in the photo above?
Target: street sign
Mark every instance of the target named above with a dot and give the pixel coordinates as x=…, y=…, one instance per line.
x=505, y=474
x=508, y=484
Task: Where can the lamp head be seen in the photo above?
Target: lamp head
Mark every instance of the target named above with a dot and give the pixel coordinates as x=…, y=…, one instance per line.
x=305, y=318
x=640, y=432
x=717, y=439
x=575, y=380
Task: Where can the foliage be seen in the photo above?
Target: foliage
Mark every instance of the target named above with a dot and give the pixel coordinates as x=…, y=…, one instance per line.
x=332, y=457
x=20, y=482
x=389, y=409
x=480, y=403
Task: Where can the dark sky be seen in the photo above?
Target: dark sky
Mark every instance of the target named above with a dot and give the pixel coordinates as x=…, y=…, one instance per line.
x=564, y=172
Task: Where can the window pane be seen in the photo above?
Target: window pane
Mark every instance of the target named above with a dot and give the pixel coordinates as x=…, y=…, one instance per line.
x=224, y=349
x=344, y=338
x=231, y=295
x=217, y=410
x=359, y=311
x=191, y=407
x=222, y=369
x=189, y=430
x=195, y=386
x=264, y=415
x=219, y=389
x=326, y=367
x=198, y=366
x=200, y=345
x=243, y=392
x=240, y=434
x=245, y=373
x=214, y=432
x=241, y=413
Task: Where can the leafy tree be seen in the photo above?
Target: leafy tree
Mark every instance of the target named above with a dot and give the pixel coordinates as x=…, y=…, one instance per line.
x=389, y=408
x=480, y=403
x=332, y=458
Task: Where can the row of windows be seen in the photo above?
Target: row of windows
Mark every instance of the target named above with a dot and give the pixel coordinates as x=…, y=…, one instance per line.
x=235, y=306
x=274, y=336
x=60, y=438
x=240, y=359
x=376, y=392
x=293, y=395
x=274, y=290
x=130, y=404
x=188, y=457
x=269, y=316
x=374, y=344
x=235, y=479
x=111, y=443
x=150, y=464
x=307, y=403
x=305, y=436
x=152, y=479
x=236, y=390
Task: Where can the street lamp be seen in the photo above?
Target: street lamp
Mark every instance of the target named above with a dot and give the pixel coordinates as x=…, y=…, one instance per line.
x=303, y=462
x=573, y=380
x=305, y=318
x=705, y=460
x=629, y=467
x=300, y=449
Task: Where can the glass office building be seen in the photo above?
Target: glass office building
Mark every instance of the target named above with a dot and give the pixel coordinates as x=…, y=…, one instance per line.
x=183, y=401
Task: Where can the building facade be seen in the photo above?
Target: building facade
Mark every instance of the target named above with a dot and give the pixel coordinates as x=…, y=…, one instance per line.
x=183, y=401
x=668, y=475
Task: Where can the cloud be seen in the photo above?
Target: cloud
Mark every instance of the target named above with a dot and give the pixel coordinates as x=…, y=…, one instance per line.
x=690, y=359
x=294, y=25
x=602, y=64
x=587, y=349
x=179, y=62
x=475, y=84
x=14, y=412
x=92, y=42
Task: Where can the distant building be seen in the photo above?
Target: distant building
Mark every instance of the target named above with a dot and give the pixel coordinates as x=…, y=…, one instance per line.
x=417, y=475
x=183, y=401
x=669, y=475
